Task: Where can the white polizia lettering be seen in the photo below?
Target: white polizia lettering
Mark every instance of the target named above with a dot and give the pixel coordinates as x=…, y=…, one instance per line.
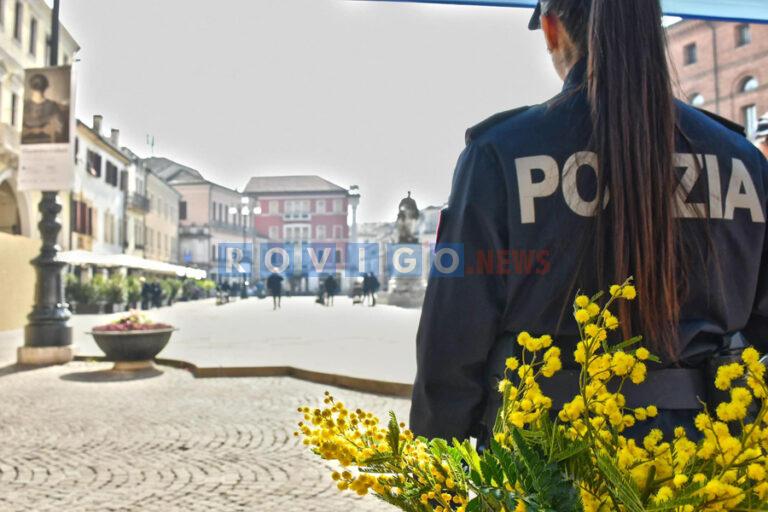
x=741, y=193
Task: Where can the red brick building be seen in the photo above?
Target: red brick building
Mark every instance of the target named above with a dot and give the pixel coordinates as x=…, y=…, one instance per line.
x=304, y=209
x=722, y=67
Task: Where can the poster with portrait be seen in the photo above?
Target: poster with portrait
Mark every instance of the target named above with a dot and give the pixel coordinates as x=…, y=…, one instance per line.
x=46, y=160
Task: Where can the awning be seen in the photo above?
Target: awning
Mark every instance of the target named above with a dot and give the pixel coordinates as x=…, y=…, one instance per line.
x=127, y=261
x=722, y=10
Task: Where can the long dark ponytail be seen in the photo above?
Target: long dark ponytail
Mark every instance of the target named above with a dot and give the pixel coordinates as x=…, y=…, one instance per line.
x=633, y=118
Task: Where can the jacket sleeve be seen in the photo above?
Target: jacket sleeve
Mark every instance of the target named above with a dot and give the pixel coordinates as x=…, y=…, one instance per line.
x=756, y=330
x=461, y=315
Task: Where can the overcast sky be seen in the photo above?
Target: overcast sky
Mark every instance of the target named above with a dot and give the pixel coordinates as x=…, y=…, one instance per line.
x=366, y=93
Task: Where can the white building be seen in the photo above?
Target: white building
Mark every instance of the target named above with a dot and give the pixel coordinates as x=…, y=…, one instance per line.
x=136, y=205
x=97, y=206
x=24, y=43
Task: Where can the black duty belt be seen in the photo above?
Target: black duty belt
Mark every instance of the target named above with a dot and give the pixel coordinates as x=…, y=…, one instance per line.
x=672, y=388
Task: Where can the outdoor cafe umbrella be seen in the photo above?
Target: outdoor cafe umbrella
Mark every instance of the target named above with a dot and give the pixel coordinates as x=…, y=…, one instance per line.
x=723, y=10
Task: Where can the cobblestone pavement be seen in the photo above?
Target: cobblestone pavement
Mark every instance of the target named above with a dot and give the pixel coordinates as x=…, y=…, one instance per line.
x=80, y=438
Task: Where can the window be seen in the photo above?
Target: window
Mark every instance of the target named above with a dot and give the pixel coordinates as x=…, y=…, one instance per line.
x=94, y=164
x=33, y=36
x=696, y=100
x=215, y=211
x=749, y=118
x=337, y=206
x=14, y=107
x=320, y=206
x=297, y=206
x=111, y=173
x=150, y=238
x=274, y=233
x=338, y=232
x=81, y=218
x=18, y=14
x=77, y=148
x=749, y=84
x=182, y=210
x=743, y=35
x=321, y=234
x=274, y=207
x=690, y=54
x=124, y=180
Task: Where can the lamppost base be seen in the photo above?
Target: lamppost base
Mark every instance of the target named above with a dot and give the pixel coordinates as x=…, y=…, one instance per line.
x=44, y=356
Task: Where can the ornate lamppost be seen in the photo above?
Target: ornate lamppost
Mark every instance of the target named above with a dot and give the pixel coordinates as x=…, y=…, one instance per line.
x=48, y=335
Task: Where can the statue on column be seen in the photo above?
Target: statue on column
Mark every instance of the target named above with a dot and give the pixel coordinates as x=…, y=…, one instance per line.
x=406, y=290
x=407, y=218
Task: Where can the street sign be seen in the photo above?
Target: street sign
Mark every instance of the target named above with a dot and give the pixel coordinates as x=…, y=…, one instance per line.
x=722, y=10
x=46, y=159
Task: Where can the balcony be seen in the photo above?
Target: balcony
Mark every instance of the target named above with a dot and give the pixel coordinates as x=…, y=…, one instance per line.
x=138, y=202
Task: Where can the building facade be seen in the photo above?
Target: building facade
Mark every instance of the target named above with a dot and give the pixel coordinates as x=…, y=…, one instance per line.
x=305, y=209
x=136, y=203
x=722, y=67
x=206, y=216
x=161, y=223
x=97, y=201
x=24, y=43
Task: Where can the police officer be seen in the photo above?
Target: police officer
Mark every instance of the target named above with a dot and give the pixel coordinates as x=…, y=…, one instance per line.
x=610, y=178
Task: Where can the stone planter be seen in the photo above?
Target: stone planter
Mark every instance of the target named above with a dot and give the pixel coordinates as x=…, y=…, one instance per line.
x=132, y=350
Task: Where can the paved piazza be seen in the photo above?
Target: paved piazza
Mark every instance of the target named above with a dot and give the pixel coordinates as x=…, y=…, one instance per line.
x=358, y=341
x=80, y=438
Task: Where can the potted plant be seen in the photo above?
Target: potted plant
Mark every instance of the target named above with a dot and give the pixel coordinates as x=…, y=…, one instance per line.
x=115, y=292
x=171, y=287
x=207, y=286
x=133, y=286
x=132, y=341
x=83, y=297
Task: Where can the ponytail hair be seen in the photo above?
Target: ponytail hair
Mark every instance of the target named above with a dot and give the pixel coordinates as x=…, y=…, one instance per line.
x=634, y=125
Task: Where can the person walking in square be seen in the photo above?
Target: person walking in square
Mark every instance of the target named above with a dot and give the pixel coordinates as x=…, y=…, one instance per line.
x=331, y=287
x=275, y=287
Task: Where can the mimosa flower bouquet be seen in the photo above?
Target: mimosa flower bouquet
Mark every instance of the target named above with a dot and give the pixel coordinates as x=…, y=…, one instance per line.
x=575, y=459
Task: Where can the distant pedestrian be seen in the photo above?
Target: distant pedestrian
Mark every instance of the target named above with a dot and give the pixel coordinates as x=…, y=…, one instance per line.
x=374, y=285
x=275, y=287
x=146, y=294
x=330, y=289
x=226, y=291
x=157, y=295
x=321, y=294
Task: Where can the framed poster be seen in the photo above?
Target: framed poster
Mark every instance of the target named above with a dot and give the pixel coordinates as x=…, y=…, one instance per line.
x=46, y=160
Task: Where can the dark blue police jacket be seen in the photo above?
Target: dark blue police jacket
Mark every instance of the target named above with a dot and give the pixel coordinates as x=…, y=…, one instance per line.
x=521, y=205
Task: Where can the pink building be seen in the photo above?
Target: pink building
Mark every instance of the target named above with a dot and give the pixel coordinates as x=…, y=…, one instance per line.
x=304, y=209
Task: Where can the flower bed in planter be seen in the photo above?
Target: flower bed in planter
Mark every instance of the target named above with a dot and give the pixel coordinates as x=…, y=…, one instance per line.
x=133, y=341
